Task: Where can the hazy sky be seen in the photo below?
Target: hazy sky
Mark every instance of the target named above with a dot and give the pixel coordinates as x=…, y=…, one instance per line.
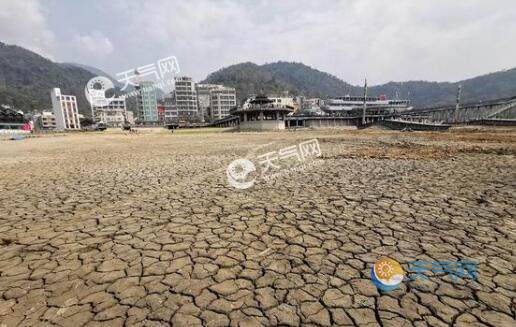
x=385, y=40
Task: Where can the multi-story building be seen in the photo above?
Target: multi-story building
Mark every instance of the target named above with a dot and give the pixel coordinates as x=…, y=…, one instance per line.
x=65, y=110
x=222, y=100
x=262, y=113
x=310, y=106
x=111, y=112
x=147, y=102
x=170, y=108
x=204, y=99
x=284, y=101
x=46, y=120
x=276, y=100
x=215, y=101
x=186, y=99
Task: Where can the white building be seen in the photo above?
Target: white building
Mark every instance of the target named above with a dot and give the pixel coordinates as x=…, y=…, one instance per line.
x=281, y=101
x=215, y=101
x=222, y=100
x=65, y=110
x=262, y=113
x=204, y=98
x=186, y=99
x=284, y=101
x=45, y=120
x=170, y=109
x=111, y=112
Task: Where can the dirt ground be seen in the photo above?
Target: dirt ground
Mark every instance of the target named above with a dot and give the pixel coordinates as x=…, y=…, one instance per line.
x=116, y=229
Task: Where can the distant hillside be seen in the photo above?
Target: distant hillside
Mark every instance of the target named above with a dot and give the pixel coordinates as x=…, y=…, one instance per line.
x=26, y=79
x=249, y=78
x=98, y=72
x=309, y=81
x=130, y=101
x=93, y=70
x=496, y=85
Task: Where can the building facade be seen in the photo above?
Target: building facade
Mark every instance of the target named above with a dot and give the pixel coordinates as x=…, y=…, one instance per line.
x=186, y=99
x=147, y=103
x=222, y=100
x=284, y=101
x=46, y=120
x=263, y=113
x=311, y=106
x=170, y=108
x=277, y=100
x=204, y=98
x=111, y=112
x=65, y=110
x=215, y=101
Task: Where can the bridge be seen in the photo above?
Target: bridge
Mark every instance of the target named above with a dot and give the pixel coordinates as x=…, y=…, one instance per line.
x=503, y=109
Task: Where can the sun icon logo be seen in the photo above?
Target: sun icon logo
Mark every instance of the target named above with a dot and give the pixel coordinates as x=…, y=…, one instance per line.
x=384, y=270
x=387, y=274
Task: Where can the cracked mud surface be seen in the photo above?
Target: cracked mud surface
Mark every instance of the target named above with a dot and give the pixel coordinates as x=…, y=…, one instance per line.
x=110, y=229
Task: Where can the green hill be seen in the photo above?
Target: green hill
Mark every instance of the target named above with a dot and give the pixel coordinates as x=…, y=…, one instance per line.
x=26, y=79
x=249, y=78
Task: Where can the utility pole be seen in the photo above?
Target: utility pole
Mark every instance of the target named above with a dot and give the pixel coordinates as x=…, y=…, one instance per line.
x=365, y=103
x=456, y=113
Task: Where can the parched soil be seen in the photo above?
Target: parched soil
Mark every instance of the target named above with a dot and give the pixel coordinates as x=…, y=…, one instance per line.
x=115, y=229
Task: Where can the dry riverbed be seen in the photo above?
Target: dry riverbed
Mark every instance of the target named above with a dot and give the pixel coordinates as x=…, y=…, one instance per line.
x=109, y=228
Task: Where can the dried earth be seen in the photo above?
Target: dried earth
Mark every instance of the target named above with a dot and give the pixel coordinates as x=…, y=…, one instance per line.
x=114, y=229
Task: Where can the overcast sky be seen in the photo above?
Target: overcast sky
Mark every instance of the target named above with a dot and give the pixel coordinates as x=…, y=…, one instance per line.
x=391, y=40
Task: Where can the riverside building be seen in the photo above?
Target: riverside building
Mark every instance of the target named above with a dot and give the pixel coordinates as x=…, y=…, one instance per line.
x=65, y=110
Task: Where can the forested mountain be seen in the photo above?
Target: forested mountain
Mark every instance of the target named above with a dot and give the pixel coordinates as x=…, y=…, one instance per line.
x=26, y=79
x=93, y=70
x=496, y=85
x=249, y=78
